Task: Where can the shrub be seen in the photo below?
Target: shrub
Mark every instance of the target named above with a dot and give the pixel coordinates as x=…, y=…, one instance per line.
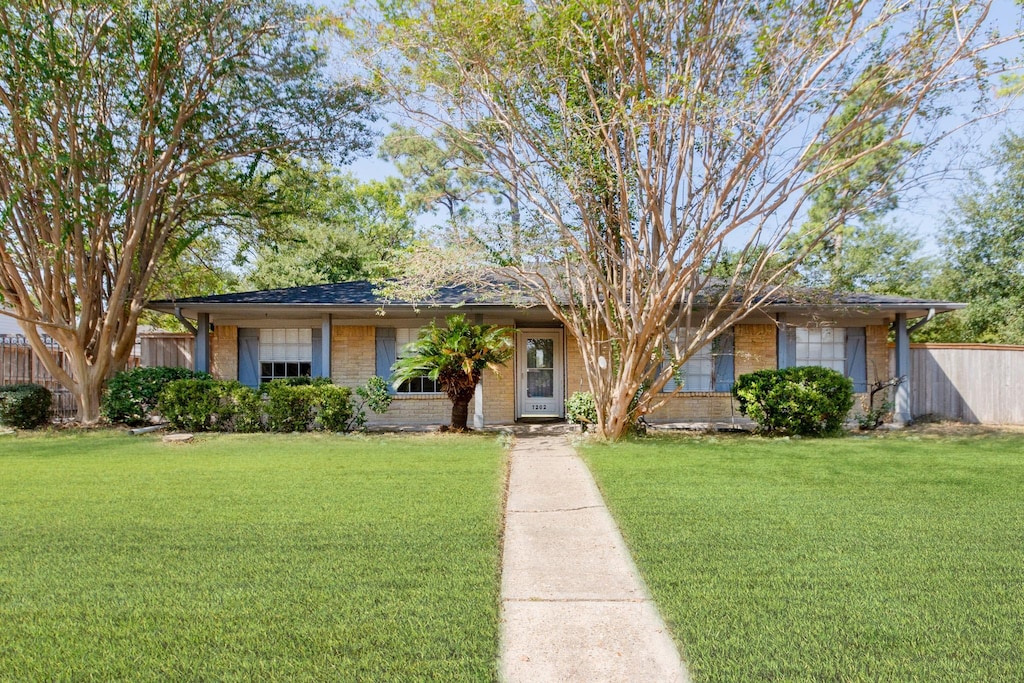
x=190, y=404
x=24, y=406
x=373, y=395
x=289, y=405
x=805, y=401
x=581, y=409
x=246, y=408
x=333, y=408
x=133, y=395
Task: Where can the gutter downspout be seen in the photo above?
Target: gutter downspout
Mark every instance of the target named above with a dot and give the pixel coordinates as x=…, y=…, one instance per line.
x=185, y=321
x=922, y=321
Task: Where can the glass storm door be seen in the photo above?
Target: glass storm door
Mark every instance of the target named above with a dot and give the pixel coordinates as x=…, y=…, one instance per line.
x=540, y=374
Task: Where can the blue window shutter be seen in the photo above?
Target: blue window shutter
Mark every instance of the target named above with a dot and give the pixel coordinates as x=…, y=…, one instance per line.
x=787, y=346
x=723, y=352
x=387, y=353
x=856, y=358
x=249, y=356
x=317, y=366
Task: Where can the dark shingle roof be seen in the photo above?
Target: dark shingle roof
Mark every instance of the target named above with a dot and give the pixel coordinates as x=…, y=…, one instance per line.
x=357, y=293
x=363, y=293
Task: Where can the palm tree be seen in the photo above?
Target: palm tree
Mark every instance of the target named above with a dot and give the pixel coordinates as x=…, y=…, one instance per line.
x=455, y=356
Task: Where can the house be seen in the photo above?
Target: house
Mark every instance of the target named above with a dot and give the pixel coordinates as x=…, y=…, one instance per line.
x=9, y=327
x=344, y=331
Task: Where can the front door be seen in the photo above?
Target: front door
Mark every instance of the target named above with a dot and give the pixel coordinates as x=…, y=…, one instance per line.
x=541, y=387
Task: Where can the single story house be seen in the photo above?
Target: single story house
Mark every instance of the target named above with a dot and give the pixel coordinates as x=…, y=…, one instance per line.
x=346, y=332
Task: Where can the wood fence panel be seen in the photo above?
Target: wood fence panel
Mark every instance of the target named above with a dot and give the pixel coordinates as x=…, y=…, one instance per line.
x=166, y=350
x=968, y=382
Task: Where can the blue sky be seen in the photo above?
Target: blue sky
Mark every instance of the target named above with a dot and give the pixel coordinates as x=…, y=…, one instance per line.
x=925, y=210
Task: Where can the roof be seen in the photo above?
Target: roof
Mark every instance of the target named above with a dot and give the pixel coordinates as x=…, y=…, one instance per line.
x=363, y=296
x=356, y=293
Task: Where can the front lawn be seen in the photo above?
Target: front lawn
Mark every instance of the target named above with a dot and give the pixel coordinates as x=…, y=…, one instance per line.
x=880, y=559
x=295, y=557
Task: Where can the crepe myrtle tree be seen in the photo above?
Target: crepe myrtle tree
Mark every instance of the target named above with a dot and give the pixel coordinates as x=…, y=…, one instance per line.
x=647, y=139
x=123, y=127
x=455, y=356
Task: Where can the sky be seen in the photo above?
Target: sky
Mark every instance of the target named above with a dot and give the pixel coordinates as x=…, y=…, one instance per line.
x=926, y=209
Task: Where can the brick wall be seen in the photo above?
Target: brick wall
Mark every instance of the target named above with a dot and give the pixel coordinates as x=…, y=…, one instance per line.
x=418, y=410
x=756, y=348
x=575, y=378
x=499, y=395
x=698, y=406
x=877, y=352
x=224, y=352
x=353, y=354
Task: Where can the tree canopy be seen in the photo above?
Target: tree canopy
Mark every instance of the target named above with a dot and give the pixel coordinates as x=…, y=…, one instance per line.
x=125, y=125
x=334, y=228
x=983, y=254
x=648, y=139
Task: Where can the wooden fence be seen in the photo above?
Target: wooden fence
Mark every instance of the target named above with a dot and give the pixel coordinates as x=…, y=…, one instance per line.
x=164, y=349
x=19, y=364
x=978, y=383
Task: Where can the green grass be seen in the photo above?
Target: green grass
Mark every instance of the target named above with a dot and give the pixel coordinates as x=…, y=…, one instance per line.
x=263, y=557
x=881, y=559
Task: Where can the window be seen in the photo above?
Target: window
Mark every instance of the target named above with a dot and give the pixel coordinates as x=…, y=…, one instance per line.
x=402, y=337
x=824, y=346
x=842, y=349
x=285, y=353
x=709, y=369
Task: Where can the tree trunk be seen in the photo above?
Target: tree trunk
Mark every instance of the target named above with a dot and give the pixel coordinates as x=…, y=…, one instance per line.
x=460, y=415
x=89, y=396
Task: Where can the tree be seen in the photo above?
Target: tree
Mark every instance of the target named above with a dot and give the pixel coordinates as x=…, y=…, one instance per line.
x=860, y=252
x=648, y=138
x=455, y=356
x=123, y=127
x=875, y=256
x=444, y=174
x=341, y=229
x=983, y=254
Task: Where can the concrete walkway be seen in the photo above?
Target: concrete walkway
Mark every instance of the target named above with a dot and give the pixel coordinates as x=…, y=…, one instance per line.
x=573, y=606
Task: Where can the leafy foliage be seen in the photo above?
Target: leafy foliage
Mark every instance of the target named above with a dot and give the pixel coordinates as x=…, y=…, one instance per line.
x=132, y=395
x=192, y=405
x=127, y=132
x=330, y=228
x=25, y=406
x=804, y=401
x=455, y=356
x=983, y=251
x=646, y=138
x=581, y=409
x=296, y=404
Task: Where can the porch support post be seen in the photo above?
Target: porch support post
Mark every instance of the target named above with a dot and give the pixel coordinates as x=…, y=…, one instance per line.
x=201, y=360
x=325, y=345
x=478, y=406
x=478, y=392
x=901, y=414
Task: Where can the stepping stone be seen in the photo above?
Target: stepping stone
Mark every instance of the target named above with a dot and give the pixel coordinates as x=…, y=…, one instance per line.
x=178, y=438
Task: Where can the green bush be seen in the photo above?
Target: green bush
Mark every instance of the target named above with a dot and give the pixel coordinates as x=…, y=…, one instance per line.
x=805, y=401
x=373, y=395
x=24, y=406
x=133, y=395
x=289, y=406
x=581, y=409
x=200, y=405
x=246, y=408
x=333, y=408
x=191, y=404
